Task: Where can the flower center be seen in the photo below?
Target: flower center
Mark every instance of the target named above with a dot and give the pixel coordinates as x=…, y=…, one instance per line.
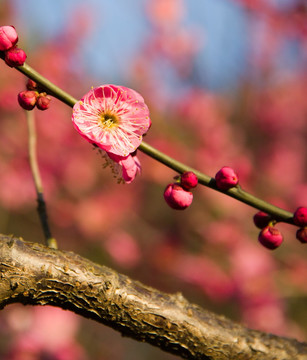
x=109, y=120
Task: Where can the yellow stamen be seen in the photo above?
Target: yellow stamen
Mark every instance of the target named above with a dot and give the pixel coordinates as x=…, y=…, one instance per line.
x=109, y=120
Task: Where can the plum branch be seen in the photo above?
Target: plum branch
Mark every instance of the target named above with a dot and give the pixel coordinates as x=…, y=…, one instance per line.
x=33, y=274
x=237, y=192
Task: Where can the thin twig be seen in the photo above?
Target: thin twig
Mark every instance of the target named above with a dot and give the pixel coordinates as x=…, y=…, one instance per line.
x=41, y=207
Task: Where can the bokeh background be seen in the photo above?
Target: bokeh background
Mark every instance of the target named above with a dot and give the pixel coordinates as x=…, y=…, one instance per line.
x=225, y=81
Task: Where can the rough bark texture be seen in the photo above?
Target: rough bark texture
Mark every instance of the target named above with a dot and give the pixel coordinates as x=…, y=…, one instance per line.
x=34, y=274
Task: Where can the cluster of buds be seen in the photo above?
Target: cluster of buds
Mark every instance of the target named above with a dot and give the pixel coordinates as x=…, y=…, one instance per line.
x=33, y=96
x=271, y=237
x=13, y=56
x=177, y=195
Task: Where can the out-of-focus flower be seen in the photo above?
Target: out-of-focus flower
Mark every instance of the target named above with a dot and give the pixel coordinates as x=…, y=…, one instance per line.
x=15, y=57
x=165, y=13
x=188, y=180
x=8, y=37
x=112, y=117
x=226, y=178
x=124, y=167
x=300, y=216
x=177, y=198
x=50, y=334
x=270, y=237
x=123, y=248
x=27, y=99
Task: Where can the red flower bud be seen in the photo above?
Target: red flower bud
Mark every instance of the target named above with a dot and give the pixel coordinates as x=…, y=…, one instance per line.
x=177, y=198
x=188, y=180
x=301, y=235
x=15, y=57
x=31, y=85
x=43, y=102
x=8, y=37
x=226, y=178
x=261, y=219
x=27, y=99
x=270, y=237
x=300, y=216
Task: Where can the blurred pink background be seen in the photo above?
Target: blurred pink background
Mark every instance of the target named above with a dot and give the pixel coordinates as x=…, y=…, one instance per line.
x=254, y=121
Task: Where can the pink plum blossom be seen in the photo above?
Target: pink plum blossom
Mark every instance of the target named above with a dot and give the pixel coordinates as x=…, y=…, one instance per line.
x=112, y=117
x=124, y=167
x=8, y=37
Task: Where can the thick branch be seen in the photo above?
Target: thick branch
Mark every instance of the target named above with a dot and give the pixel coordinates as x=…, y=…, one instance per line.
x=37, y=275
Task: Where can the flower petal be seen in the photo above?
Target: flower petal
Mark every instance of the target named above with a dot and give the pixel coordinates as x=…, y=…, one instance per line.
x=126, y=113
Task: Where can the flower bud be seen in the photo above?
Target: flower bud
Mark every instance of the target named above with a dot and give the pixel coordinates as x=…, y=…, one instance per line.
x=15, y=57
x=261, y=219
x=300, y=216
x=226, y=178
x=43, y=102
x=27, y=99
x=188, y=180
x=8, y=37
x=177, y=198
x=270, y=237
x=31, y=85
x=301, y=235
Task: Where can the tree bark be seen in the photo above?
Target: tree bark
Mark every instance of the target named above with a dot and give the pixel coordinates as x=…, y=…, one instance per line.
x=36, y=275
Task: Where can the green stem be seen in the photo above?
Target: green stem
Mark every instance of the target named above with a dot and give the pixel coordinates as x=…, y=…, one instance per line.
x=48, y=85
x=236, y=192
x=41, y=208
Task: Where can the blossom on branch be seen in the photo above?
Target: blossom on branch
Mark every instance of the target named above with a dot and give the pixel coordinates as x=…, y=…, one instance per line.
x=112, y=117
x=125, y=168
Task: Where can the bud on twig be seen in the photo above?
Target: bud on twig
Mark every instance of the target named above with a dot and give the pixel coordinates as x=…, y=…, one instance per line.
x=15, y=57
